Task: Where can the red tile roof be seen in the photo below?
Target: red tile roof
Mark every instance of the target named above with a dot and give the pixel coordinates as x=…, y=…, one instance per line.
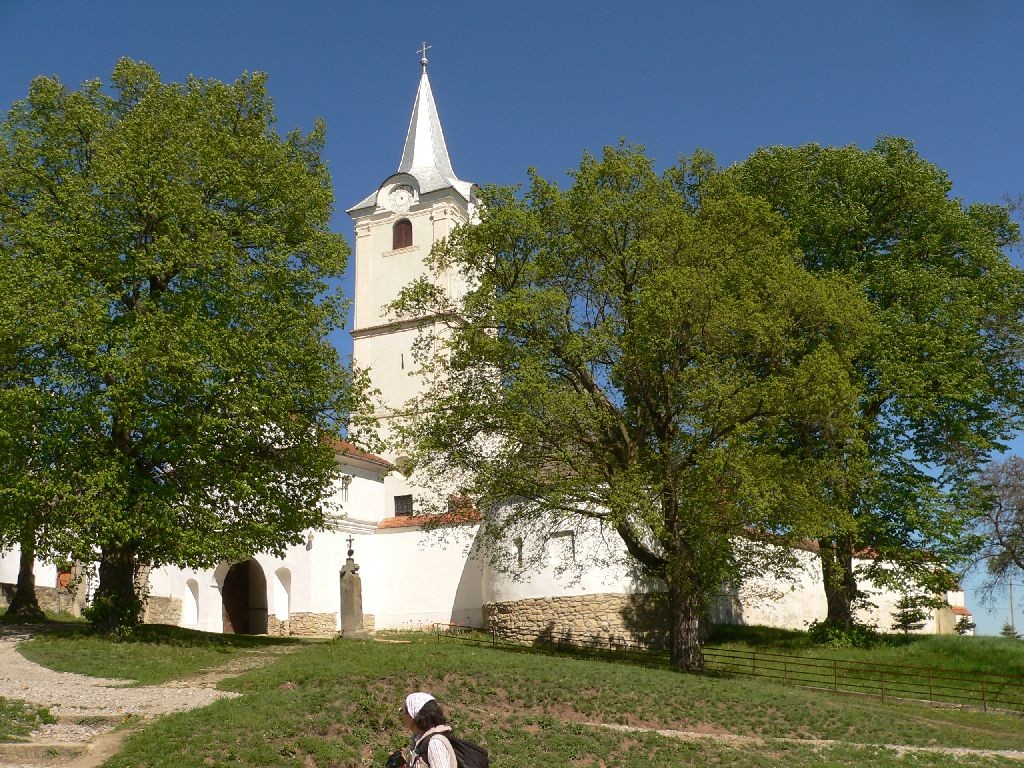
x=345, y=448
x=959, y=610
x=461, y=517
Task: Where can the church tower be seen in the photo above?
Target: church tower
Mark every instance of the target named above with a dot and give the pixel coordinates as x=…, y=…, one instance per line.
x=395, y=228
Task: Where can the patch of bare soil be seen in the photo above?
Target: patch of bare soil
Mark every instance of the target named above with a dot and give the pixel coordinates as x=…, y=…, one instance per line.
x=498, y=706
x=727, y=738
x=240, y=663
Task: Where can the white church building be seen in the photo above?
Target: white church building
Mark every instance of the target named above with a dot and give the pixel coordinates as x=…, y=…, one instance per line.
x=410, y=577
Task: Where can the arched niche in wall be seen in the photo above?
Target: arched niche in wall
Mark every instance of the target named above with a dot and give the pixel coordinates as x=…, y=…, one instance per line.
x=282, y=593
x=190, y=604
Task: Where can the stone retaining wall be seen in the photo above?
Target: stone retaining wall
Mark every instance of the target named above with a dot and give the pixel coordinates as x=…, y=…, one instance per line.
x=162, y=610
x=278, y=628
x=311, y=624
x=604, y=618
x=49, y=599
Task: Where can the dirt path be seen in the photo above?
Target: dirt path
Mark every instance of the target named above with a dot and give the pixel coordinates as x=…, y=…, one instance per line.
x=95, y=714
x=729, y=738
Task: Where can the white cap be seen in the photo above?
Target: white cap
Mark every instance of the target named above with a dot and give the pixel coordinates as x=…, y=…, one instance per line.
x=414, y=702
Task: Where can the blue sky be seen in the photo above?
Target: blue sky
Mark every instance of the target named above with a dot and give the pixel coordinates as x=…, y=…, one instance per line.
x=536, y=83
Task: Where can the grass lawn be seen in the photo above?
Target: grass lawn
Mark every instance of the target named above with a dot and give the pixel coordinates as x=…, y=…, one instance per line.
x=154, y=654
x=336, y=704
x=18, y=718
x=992, y=655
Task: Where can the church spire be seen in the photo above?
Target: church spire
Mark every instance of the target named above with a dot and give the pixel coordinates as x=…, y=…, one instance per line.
x=424, y=142
x=425, y=155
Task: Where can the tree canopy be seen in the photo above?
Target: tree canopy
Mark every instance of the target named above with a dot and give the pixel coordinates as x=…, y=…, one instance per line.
x=632, y=353
x=941, y=377
x=169, y=259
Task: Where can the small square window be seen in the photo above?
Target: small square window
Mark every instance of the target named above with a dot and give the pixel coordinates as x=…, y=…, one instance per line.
x=403, y=506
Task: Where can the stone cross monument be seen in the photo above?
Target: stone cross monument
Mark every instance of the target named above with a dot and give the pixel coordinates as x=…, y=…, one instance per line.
x=351, y=597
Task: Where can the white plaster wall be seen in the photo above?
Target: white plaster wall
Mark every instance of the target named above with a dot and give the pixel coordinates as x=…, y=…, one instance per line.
x=313, y=566
x=552, y=581
x=791, y=603
x=171, y=581
x=365, y=494
x=9, y=565
x=800, y=600
x=45, y=573
x=425, y=579
x=394, y=269
x=785, y=603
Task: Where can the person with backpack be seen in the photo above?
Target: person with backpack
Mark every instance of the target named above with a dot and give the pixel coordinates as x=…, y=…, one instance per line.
x=432, y=744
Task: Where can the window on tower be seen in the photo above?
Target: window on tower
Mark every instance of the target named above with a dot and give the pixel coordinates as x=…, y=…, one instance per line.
x=401, y=234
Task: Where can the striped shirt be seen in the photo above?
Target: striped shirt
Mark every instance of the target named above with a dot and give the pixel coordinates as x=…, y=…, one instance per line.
x=439, y=750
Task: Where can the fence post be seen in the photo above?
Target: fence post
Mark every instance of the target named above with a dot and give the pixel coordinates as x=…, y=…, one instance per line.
x=930, y=684
x=881, y=682
x=494, y=636
x=835, y=675
x=753, y=664
x=984, y=704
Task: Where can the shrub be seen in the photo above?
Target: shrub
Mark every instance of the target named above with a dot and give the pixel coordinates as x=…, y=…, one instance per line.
x=831, y=636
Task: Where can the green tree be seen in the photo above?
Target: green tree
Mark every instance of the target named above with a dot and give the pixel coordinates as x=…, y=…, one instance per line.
x=942, y=380
x=177, y=260
x=30, y=448
x=1009, y=632
x=628, y=355
x=22, y=510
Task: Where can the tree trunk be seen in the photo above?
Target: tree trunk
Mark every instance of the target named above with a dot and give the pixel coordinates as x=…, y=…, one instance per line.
x=25, y=605
x=687, y=613
x=115, y=605
x=839, y=580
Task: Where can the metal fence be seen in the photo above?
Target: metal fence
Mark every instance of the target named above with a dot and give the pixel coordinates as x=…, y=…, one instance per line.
x=983, y=691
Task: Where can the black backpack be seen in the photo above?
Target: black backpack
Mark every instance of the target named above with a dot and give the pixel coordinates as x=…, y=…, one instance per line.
x=467, y=754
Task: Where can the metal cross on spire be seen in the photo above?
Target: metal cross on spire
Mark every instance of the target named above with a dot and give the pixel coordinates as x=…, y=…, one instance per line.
x=423, y=54
x=350, y=546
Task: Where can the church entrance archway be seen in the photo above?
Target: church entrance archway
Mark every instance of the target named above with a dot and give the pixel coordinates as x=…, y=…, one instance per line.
x=244, y=596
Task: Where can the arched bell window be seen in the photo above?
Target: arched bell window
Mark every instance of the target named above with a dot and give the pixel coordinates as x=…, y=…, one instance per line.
x=401, y=234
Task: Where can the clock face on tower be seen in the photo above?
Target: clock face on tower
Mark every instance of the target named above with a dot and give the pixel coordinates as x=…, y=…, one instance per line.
x=401, y=197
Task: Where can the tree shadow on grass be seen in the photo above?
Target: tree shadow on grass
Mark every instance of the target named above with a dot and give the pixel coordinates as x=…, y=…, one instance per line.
x=765, y=638
x=152, y=634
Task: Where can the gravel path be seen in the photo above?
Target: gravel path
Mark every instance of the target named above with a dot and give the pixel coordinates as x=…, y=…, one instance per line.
x=69, y=695
x=90, y=709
